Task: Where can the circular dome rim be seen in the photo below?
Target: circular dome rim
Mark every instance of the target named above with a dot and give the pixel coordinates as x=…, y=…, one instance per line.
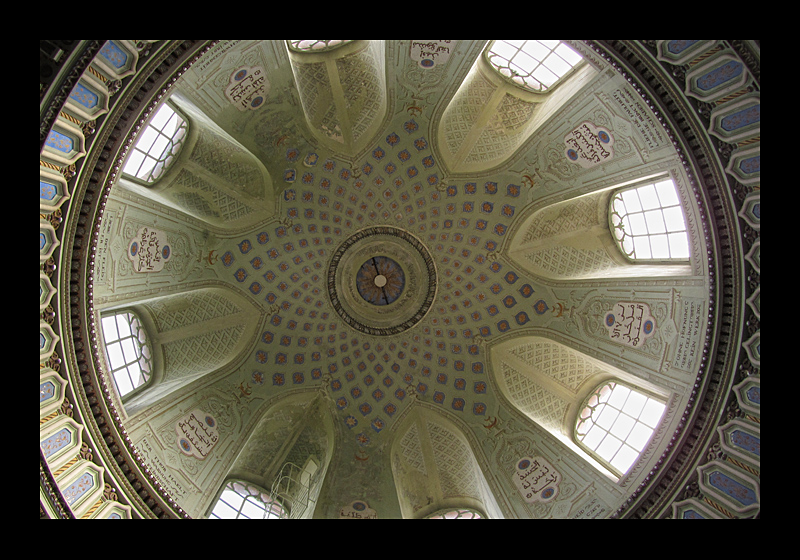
x=116, y=452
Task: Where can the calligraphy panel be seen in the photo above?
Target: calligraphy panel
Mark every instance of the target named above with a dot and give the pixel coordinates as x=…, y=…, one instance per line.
x=430, y=53
x=357, y=510
x=536, y=480
x=247, y=88
x=589, y=145
x=630, y=323
x=197, y=434
x=149, y=250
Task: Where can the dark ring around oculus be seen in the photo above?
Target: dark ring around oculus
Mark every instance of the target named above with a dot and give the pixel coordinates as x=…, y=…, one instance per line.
x=397, y=241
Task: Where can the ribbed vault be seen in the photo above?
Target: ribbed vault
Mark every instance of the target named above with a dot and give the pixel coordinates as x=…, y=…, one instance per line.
x=448, y=374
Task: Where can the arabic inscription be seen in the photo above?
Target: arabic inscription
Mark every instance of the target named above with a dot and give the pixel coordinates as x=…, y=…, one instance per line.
x=197, y=434
x=630, y=323
x=536, y=480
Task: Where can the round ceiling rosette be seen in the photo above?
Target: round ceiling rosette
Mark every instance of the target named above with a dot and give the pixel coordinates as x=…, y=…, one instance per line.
x=381, y=280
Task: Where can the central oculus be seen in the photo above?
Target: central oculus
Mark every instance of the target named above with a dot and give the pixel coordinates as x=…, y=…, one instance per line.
x=380, y=280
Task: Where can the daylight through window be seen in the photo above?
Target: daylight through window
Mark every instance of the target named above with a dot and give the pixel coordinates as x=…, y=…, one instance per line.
x=535, y=65
x=456, y=514
x=127, y=351
x=240, y=500
x=157, y=145
x=616, y=424
x=648, y=222
x=313, y=45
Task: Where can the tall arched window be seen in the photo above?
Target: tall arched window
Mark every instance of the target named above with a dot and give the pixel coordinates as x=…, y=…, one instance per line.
x=534, y=65
x=241, y=500
x=157, y=145
x=615, y=424
x=648, y=222
x=127, y=350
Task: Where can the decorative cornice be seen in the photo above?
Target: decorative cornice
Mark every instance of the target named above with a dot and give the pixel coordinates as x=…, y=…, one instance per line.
x=686, y=123
x=704, y=159
x=137, y=96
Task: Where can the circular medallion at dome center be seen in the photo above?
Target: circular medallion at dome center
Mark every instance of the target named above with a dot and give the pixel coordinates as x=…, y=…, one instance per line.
x=380, y=280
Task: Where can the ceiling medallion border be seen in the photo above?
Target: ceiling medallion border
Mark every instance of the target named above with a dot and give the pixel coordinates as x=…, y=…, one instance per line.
x=362, y=235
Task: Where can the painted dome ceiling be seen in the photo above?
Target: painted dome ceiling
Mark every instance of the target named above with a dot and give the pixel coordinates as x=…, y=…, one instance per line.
x=387, y=257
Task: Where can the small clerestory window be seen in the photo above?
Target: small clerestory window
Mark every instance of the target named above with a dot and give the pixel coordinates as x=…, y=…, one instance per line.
x=127, y=350
x=312, y=45
x=157, y=145
x=648, y=222
x=458, y=513
x=534, y=65
x=241, y=500
x=616, y=423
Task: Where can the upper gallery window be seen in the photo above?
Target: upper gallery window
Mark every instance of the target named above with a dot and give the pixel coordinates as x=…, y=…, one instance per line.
x=157, y=145
x=534, y=65
x=127, y=350
x=648, y=222
x=241, y=500
x=460, y=513
x=315, y=45
x=616, y=423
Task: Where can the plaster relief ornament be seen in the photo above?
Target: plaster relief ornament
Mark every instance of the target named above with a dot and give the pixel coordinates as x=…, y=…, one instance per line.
x=431, y=52
x=149, y=251
x=197, y=434
x=536, y=480
x=630, y=323
x=589, y=145
x=381, y=281
x=357, y=510
x=248, y=88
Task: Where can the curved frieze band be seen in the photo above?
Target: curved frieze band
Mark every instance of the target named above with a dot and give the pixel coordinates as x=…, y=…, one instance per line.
x=705, y=163
x=725, y=360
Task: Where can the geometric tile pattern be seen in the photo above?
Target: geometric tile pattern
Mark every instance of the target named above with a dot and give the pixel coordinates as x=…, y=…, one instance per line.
x=397, y=184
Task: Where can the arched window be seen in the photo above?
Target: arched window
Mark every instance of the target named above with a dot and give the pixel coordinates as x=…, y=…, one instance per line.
x=648, y=222
x=127, y=350
x=306, y=45
x=458, y=513
x=241, y=500
x=534, y=65
x=157, y=145
x=615, y=424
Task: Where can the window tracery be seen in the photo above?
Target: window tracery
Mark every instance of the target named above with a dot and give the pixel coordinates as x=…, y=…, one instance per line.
x=242, y=500
x=615, y=423
x=648, y=222
x=127, y=350
x=157, y=145
x=533, y=65
x=456, y=513
x=312, y=45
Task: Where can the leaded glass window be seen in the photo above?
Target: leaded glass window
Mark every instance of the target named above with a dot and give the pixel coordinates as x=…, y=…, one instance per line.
x=156, y=145
x=312, y=45
x=648, y=222
x=534, y=65
x=616, y=423
x=241, y=500
x=127, y=350
x=457, y=513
